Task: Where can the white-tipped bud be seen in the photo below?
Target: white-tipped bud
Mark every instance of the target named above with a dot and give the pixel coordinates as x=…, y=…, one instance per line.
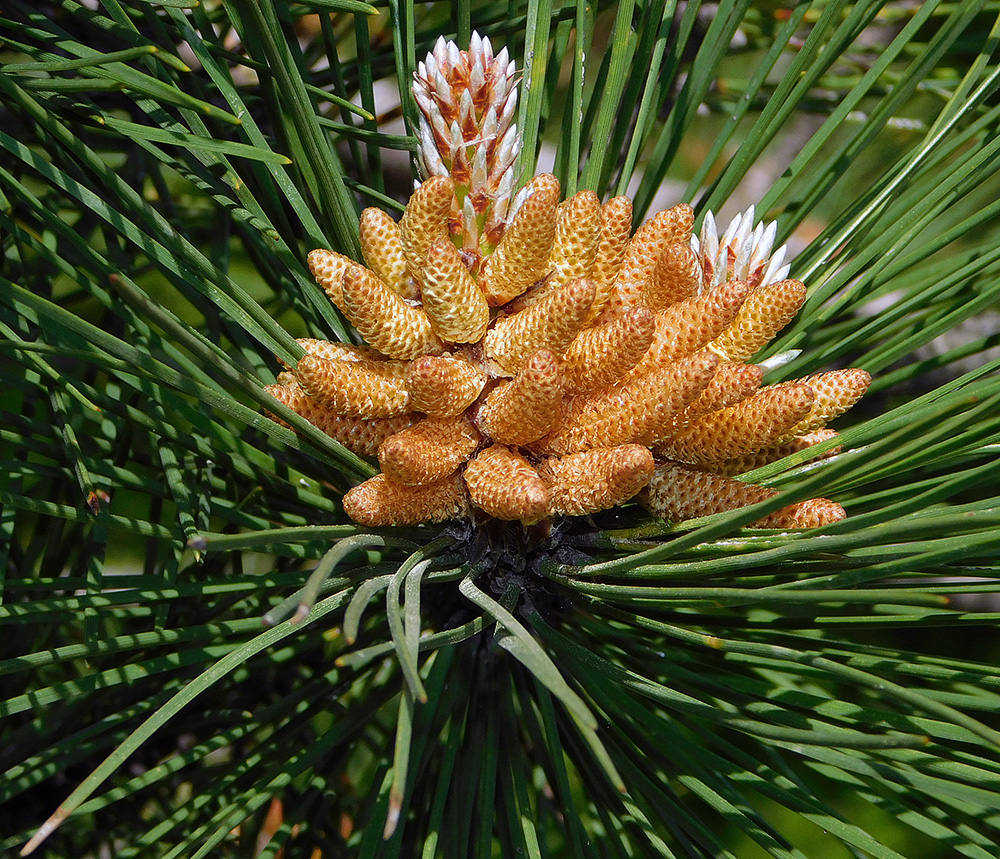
x=443, y=89
x=440, y=125
x=746, y=226
x=766, y=242
x=502, y=201
x=423, y=100
x=479, y=171
x=441, y=49
x=779, y=360
x=741, y=248
x=509, y=106
x=466, y=109
x=477, y=78
x=432, y=68
x=468, y=100
x=457, y=140
x=518, y=201
x=429, y=152
x=709, y=237
x=775, y=271
x=743, y=252
x=470, y=225
x=506, y=152
x=489, y=126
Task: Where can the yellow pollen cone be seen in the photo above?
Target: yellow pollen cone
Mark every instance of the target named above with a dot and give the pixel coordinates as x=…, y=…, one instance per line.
x=641, y=410
x=767, y=455
x=364, y=389
x=428, y=451
x=601, y=355
x=443, y=385
x=578, y=234
x=685, y=327
x=525, y=408
x=521, y=258
x=502, y=483
x=584, y=483
x=379, y=502
x=643, y=252
x=835, y=392
x=335, y=351
x=384, y=319
x=382, y=249
x=756, y=422
x=677, y=493
x=616, y=227
x=362, y=436
x=731, y=383
x=453, y=302
x=675, y=277
x=328, y=268
x=552, y=323
x=765, y=312
x=425, y=220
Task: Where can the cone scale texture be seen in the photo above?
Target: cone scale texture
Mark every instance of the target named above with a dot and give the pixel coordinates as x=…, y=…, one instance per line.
x=528, y=358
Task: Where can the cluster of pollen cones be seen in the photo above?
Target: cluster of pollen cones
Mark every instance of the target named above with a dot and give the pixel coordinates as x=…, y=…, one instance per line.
x=531, y=358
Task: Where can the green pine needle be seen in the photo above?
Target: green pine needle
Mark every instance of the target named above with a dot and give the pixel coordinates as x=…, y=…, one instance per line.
x=202, y=656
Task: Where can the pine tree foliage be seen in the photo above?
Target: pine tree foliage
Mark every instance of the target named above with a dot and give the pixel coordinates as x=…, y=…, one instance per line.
x=619, y=687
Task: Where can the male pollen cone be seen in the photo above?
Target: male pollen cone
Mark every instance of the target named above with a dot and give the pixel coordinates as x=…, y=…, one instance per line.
x=529, y=358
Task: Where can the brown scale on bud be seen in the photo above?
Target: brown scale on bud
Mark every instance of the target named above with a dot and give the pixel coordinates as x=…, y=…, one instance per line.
x=372, y=389
x=552, y=324
x=453, y=302
x=443, y=385
x=362, y=436
x=384, y=319
x=677, y=493
x=521, y=258
x=605, y=348
x=528, y=406
x=428, y=451
x=382, y=249
x=378, y=502
x=502, y=483
x=765, y=312
x=584, y=483
x=601, y=355
x=756, y=422
x=685, y=327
